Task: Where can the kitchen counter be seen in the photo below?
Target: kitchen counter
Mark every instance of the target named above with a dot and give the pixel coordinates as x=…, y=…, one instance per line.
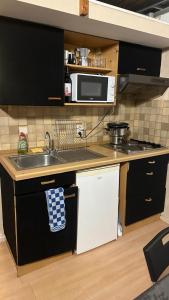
x=110, y=157
x=20, y=197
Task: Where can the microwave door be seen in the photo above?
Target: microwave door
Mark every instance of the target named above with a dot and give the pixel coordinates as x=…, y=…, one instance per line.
x=92, y=88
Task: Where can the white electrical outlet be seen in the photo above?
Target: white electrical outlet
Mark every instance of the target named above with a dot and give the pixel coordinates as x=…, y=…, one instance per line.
x=80, y=130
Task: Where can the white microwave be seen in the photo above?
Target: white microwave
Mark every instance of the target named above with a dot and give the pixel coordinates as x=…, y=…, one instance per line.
x=92, y=88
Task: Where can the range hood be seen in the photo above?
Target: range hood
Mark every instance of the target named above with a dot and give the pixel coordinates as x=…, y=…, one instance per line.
x=142, y=85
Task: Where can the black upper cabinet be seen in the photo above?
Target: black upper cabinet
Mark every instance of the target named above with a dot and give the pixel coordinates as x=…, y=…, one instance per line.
x=31, y=63
x=137, y=59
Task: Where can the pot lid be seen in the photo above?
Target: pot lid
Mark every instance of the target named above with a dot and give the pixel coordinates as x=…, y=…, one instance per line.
x=117, y=125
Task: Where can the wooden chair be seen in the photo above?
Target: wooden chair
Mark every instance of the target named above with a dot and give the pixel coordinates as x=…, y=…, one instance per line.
x=156, y=253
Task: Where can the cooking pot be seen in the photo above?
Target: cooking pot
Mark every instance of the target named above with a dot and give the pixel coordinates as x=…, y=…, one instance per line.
x=118, y=132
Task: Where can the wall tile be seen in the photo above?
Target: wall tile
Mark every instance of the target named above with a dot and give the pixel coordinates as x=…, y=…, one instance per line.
x=23, y=121
x=157, y=132
x=13, y=130
x=31, y=121
x=4, y=139
x=40, y=144
x=4, y=121
x=4, y=130
x=5, y=147
x=165, y=126
x=152, y=124
x=145, y=131
x=13, y=121
x=164, y=119
x=158, y=125
x=39, y=121
x=163, y=134
x=148, y=120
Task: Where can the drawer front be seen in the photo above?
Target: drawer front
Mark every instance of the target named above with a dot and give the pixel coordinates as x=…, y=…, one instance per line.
x=141, y=206
x=149, y=164
x=43, y=183
x=146, y=182
x=147, y=174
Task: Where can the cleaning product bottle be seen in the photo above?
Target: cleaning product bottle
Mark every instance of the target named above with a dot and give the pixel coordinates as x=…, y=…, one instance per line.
x=22, y=143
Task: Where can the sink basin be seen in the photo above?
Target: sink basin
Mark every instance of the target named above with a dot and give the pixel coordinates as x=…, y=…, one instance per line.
x=34, y=161
x=80, y=154
x=27, y=161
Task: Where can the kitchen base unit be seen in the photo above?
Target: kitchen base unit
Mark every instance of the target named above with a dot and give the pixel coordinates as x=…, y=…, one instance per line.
x=142, y=191
x=26, y=220
x=146, y=186
x=97, y=207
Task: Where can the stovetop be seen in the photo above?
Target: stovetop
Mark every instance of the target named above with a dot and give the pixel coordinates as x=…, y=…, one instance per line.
x=134, y=146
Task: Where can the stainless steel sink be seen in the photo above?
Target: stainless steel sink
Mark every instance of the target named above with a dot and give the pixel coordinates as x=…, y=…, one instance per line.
x=27, y=161
x=34, y=161
x=78, y=155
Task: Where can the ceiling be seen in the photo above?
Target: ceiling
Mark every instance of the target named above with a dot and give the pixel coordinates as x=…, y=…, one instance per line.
x=150, y=7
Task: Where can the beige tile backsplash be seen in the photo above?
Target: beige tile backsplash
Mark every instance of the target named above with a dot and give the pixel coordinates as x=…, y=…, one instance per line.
x=148, y=120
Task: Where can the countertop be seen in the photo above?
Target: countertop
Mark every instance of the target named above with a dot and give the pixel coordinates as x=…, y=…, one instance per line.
x=110, y=157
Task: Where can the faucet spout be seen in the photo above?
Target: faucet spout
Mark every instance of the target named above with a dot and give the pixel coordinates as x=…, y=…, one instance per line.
x=49, y=148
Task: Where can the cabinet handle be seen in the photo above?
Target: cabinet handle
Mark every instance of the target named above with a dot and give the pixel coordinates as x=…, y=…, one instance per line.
x=151, y=162
x=47, y=182
x=70, y=196
x=54, y=98
x=148, y=199
x=141, y=69
x=150, y=173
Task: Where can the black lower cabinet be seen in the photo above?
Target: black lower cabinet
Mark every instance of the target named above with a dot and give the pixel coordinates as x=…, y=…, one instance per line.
x=8, y=210
x=145, y=194
x=35, y=240
x=30, y=237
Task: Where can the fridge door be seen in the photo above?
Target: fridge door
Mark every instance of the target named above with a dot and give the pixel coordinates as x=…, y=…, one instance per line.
x=98, y=207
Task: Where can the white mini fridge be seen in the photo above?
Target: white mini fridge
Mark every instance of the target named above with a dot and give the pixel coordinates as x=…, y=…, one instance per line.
x=97, y=207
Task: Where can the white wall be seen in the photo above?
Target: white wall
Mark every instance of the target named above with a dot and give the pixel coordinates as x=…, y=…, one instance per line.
x=164, y=72
x=164, y=17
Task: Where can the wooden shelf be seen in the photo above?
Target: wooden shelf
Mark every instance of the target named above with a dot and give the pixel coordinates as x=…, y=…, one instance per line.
x=89, y=104
x=90, y=69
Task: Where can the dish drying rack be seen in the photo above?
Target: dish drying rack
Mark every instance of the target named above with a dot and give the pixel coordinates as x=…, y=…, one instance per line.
x=66, y=135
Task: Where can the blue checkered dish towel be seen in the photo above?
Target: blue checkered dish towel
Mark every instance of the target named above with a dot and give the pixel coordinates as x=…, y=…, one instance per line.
x=56, y=209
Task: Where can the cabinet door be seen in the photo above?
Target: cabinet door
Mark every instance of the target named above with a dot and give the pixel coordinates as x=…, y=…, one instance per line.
x=31, y=63
x=35, y=241
x=8, y=210
x=147, y=174
x=137, y=59
x=144, y=205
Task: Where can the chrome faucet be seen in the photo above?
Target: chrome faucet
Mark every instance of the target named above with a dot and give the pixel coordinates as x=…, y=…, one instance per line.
x=49, y=148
